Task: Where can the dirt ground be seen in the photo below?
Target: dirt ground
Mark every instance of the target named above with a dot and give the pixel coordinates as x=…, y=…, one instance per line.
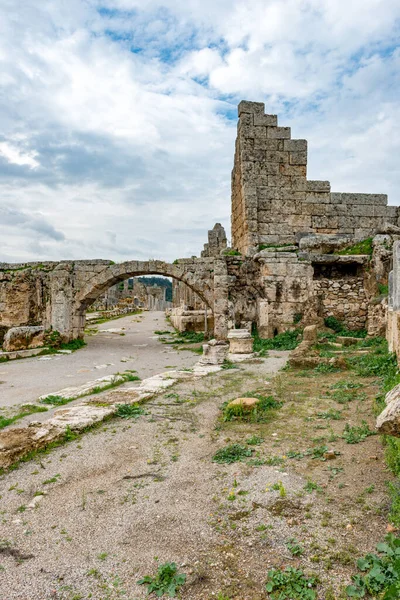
x=133, y=490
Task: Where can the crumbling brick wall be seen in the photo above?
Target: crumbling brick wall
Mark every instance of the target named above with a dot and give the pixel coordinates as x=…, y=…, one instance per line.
x=272, y=200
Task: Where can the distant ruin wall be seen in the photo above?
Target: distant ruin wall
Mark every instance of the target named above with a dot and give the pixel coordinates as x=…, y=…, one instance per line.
x=272, y=200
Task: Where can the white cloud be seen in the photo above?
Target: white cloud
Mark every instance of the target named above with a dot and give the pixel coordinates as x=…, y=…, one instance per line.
x=116, y=115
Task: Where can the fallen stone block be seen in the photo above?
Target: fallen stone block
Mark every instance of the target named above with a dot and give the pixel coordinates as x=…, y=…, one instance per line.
x=247, y=404
x=388, y=422
x=23, y=338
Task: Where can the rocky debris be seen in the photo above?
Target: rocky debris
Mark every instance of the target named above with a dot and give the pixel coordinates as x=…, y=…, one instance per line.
x=303, y=356
x=389, y=228
x=240, y=341
x=247, y=404
x=23, y=338
x=388, y=422
x=215, y=352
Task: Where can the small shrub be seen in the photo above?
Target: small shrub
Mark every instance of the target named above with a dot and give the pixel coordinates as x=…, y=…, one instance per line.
x=232, y=453
x=52, y=338
x=166, y=581
x=326, y=368
x=297, y=317
x=333, y=323
x=383, y=290
x=290, y=584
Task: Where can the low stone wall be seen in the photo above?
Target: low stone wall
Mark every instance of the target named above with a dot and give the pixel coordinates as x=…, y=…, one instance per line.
x=345, y=299
x=23, y=338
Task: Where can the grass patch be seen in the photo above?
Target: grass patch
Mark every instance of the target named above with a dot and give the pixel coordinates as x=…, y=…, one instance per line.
x=25, y=410
x=55, y=400
x=364, y=247
x=288, y=340
x=231, y=454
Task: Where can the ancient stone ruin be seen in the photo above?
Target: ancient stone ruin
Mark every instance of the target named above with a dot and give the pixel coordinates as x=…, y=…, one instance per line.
x=293, y=258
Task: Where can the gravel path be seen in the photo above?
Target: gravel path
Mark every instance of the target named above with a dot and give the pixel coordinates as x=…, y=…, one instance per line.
x=125, y=493
x=106, y=353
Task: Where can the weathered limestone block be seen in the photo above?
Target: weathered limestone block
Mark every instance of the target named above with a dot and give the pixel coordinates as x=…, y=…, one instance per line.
x=240, y=341
x=388, y=422
x=324, y=243
x=21, y=338
x=302, y=356
x=214, y=353
x=246, y=404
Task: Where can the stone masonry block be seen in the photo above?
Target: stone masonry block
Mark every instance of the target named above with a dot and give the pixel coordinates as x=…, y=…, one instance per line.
x=318, y=197
x=295, y=145
x=314, y=209
x=295, y=170
x=267, y=120
x=253, y=155
x=278, y=157
x=266, y=144
x=329, y=222
x=255, y=108
x=260, y=132
x=278, y=132
x=344, y=198
x=318, y=186
x=298, y=184
x=298, y=158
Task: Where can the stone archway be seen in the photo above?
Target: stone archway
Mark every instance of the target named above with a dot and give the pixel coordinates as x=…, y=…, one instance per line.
x=84, y=286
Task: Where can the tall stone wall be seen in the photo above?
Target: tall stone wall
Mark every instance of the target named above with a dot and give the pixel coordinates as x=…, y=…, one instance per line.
x=273, y=202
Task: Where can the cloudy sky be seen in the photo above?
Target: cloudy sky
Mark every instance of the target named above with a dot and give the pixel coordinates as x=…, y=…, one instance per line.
x=118, y=117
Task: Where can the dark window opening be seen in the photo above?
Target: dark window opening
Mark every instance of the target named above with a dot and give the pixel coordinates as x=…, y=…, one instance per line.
x=337, y=271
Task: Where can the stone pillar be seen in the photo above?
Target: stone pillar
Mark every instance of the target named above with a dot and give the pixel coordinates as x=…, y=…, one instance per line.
x=221, y=309
x=61, y=317
x=262, y=318
x=396, y=276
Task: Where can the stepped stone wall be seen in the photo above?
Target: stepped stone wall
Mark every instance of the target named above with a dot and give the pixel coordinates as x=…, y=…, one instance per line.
x=273, y=202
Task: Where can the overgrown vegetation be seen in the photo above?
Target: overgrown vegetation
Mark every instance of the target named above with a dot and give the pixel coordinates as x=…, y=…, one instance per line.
x=290, y=584
x=54, y=342
x=288, y=340
x=363, y=247
x=166, y=581
x=382, y=573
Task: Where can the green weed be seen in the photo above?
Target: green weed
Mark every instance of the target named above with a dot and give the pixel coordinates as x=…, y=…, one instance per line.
x=290, y=584
x=166, y=581
x=232, y=453
x=382, y=573
x=355, y=435
x=129, y=411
